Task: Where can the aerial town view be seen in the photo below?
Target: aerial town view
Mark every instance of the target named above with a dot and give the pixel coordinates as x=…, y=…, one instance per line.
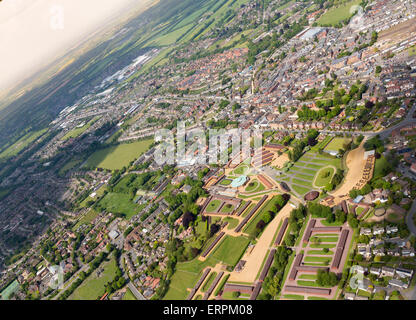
x=208, y=150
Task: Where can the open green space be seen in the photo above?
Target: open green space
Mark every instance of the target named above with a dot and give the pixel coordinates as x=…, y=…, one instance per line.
x=226, y=182
x=116, y=157
x=336, y=144
x=324, y=177
x=213, y=206
x=232, y=223
x=294, y=297
x=69, y=165
x=21, y=144
x=320, y=252
x=308, y=277
x=129, y=295
x=94, y=286
x=254, y=187
x=209, y=281
x=341, y=11
x=412, y=51
x=229, y=251
x=317, y=259
x=120, y=203
x=12, y=288
x=323, y=239
x=227, y=208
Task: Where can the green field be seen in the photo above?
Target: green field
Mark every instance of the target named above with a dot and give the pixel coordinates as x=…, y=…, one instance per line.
x=129, y=295
x=230, y=250
x=120, y=203
x=300, y=177
x=213, y=206
x=336, y=144
x=21, y=144
x=412, y=51
x=93, y=286
x=187, y=274
x=227, y=208
x=232, y=223
x=338, y=13
x=209, y=281
x=116, y=157
x=324, y=177
x=254, y=187
x=251, y=226
x=9, y=290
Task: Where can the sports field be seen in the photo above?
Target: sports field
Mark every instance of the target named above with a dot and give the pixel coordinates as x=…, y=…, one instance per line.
x=116, y=157
x=341, y=11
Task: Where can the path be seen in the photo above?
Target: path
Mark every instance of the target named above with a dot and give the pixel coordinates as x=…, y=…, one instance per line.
x=255, y=259
x=355, y=163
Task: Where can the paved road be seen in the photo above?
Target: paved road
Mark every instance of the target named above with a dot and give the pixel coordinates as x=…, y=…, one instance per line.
x=136, y=292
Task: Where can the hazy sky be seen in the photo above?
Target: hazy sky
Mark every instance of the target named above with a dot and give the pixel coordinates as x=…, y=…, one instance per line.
x=34, y=32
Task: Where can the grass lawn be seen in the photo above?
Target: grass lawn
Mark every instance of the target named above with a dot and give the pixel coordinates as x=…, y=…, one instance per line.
x=232, y=223
x=251, y=226
x=321, y=252
x=187, y=274
x=120, y=203
x=317, y=298
x=129, y=295
x=242, y=169
x=116, y=157
x=300, y=190
x=180, y=281
x=412, y=51
x=324, y=177
x=381, y=165
x=213, y=206
x=336, y=144
x=293, y=297
x=225, y=182
x=227, y=208
x=308, y=276
x=251, y=206
x=231, y=249
x=305, y=283
x=221, y=284
x=254, y=187
x=324, y=239
x=337, y=13
x=323, y=245
x=209, y=281
x=93, y=287
x=318, y=259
